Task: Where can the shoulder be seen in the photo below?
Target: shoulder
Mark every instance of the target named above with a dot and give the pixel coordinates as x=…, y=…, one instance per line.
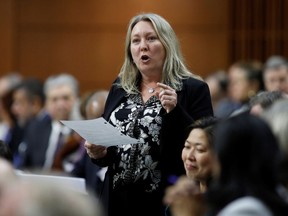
x=117, y=80
x=193, y=83
x=42, y=119
x=40, y=123
x=116, y=87
x=248, y=206
x=193, y=87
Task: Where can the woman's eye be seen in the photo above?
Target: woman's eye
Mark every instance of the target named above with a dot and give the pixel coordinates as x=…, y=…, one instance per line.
x=152, y=38
x=186, y=146
x=135, y=40
x=201, y=150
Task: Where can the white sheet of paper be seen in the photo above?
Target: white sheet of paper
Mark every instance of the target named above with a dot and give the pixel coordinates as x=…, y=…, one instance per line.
x=72, y=183
x=99, y=131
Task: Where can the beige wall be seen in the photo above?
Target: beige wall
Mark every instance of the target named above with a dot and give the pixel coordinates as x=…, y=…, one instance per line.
x=86, y=38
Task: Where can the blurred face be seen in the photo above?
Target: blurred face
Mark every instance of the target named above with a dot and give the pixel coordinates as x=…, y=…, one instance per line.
x=60, y=101
x=276, y=80
x=22, y=107
x=147, y=51
x=214, y=88
x=239, y=86
x=197, y=156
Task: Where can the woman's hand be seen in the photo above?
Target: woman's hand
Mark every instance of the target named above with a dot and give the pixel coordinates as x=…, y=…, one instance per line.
x=184, y=198
x=167, y=97
x=95, y=151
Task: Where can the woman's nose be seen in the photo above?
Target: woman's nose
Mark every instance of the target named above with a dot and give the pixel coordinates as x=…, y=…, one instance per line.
x=143, y=45
x=191, y=155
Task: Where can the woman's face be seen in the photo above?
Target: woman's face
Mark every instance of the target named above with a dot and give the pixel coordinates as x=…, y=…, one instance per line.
x=147, y=51
x=197, y=155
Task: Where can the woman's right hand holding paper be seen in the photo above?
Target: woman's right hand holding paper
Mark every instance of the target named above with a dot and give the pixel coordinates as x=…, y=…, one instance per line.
x=95, y=151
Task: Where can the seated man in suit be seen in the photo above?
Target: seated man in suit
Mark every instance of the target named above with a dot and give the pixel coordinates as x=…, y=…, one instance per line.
x=46, y=134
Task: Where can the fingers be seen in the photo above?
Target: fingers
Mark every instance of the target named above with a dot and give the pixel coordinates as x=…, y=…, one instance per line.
x=167, y=97
x=184, y=187
x=95, y=151
x=184, y=198
x=164, y=87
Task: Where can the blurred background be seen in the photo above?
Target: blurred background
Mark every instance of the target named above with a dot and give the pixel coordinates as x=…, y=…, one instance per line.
x=86, y=38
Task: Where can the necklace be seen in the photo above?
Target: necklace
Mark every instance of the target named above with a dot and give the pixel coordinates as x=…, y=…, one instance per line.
x=150, y=89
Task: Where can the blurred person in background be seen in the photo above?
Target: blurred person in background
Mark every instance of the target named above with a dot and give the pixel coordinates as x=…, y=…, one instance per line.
x=277, y=118
x=275, y=74
x=46, y=134
x=244, y=82
x=7, y=118
x=34, y=198
x=28, y=103
x=264, y=100
x=28, y=100
x=246, y=179
x=218, y=85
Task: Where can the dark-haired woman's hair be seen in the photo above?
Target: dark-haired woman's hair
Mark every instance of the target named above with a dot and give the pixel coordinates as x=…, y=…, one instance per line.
x=207, y=124
x=248, y=155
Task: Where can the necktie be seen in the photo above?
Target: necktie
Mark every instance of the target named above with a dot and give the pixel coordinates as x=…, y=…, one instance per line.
x=59, y=143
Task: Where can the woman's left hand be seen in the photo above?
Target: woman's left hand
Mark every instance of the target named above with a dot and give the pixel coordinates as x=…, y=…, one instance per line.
x=184, y=198
x=167, y=97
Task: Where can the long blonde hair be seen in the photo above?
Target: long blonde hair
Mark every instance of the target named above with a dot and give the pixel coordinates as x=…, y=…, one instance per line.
x=174, y=69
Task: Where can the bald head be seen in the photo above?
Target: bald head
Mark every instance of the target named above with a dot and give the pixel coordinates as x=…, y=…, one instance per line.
x=95, y=104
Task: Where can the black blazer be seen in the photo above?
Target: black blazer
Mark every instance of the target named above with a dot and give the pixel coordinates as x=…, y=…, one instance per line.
x=194, y=102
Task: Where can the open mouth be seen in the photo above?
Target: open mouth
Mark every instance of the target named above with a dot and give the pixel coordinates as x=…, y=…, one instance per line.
x=144, y=58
